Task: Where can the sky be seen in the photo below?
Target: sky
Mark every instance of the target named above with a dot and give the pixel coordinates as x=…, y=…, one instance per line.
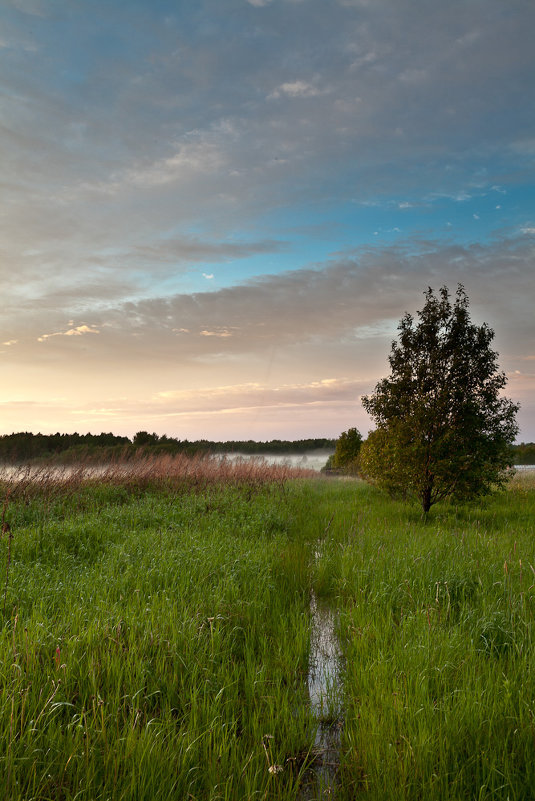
x=213, y=214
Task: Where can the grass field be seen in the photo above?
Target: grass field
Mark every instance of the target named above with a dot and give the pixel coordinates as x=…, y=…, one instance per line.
x=155, y=638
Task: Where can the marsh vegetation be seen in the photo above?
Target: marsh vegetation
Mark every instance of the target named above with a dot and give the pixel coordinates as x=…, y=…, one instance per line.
x=156, y=638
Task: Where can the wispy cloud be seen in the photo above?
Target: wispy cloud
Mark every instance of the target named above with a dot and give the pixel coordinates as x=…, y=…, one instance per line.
x=219, y=332
x=346, y=303
x=78, y=331
x=188, y=249
x=296, y=89
x=254, y=395
x=189, y=160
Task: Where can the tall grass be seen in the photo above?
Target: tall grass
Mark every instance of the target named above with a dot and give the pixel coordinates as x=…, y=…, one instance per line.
x=436, y=626
x=155, y=637
x=176, y=472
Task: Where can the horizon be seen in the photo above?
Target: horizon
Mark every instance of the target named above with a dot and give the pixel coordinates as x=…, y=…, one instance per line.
x=209, y=441
x=216, y=214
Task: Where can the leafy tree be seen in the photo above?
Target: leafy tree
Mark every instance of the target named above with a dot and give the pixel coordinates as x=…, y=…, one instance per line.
x=143, y=438
x=443, y=428
x=524, y=453
x=346, y=454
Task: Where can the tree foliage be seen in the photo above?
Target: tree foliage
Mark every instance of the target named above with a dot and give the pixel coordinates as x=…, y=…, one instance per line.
x=26, y=446
x=443, y=428
x=346, y=453
x=524, y=453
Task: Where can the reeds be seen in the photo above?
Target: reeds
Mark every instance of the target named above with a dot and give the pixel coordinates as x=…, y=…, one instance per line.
x=145, y=470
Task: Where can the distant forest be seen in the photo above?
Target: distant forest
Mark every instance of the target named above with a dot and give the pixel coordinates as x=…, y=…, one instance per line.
x=24, y=446
x=524, y=453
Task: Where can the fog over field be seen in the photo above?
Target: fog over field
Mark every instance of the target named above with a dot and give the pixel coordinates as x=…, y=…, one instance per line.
x=313, y=460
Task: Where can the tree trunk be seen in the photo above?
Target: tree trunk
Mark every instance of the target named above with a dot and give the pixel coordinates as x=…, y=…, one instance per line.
x=426, y=499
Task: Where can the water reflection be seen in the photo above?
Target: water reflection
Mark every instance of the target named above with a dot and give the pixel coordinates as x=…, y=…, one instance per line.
x=324, y=689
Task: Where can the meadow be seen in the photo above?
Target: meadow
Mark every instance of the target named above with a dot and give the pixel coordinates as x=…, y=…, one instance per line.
x=156, y=625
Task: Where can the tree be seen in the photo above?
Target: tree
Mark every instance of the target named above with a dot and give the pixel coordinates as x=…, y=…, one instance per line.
x=143, y=438
x=443, y=428
x=347, y=449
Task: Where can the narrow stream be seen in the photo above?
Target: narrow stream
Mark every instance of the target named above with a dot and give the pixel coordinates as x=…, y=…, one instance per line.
x=325, y=693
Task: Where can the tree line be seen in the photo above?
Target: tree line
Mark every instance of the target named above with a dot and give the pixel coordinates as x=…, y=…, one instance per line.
x=26, y=446
x=346, y=457
x=524, y=453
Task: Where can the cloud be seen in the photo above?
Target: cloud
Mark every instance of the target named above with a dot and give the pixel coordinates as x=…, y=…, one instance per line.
x=220, y=332
x=254, y=395
x=234, y=399
x=296, y=89
x=165, y=130
x=170, y=100
x=188, y=249
x=189, y=160
x=78, y=331
x=344, y=302
x=83, y=277
x=264, y=413
x=319, y=315
x=329, y=325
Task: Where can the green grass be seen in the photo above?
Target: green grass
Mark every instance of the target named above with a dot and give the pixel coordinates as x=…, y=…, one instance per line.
x=436, y=626
x=150, y=644
x=153, y=637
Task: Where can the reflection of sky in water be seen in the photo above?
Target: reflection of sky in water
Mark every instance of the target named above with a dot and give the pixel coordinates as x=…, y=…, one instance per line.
x=324, y=688
x=324, y=661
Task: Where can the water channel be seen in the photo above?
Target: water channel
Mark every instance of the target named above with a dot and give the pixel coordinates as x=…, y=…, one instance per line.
x=325, y=697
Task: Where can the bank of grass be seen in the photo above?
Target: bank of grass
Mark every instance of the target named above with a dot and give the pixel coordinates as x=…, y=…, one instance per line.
x=155, y=639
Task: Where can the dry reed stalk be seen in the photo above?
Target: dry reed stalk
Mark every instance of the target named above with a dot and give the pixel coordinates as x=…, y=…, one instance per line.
x=173, y=472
